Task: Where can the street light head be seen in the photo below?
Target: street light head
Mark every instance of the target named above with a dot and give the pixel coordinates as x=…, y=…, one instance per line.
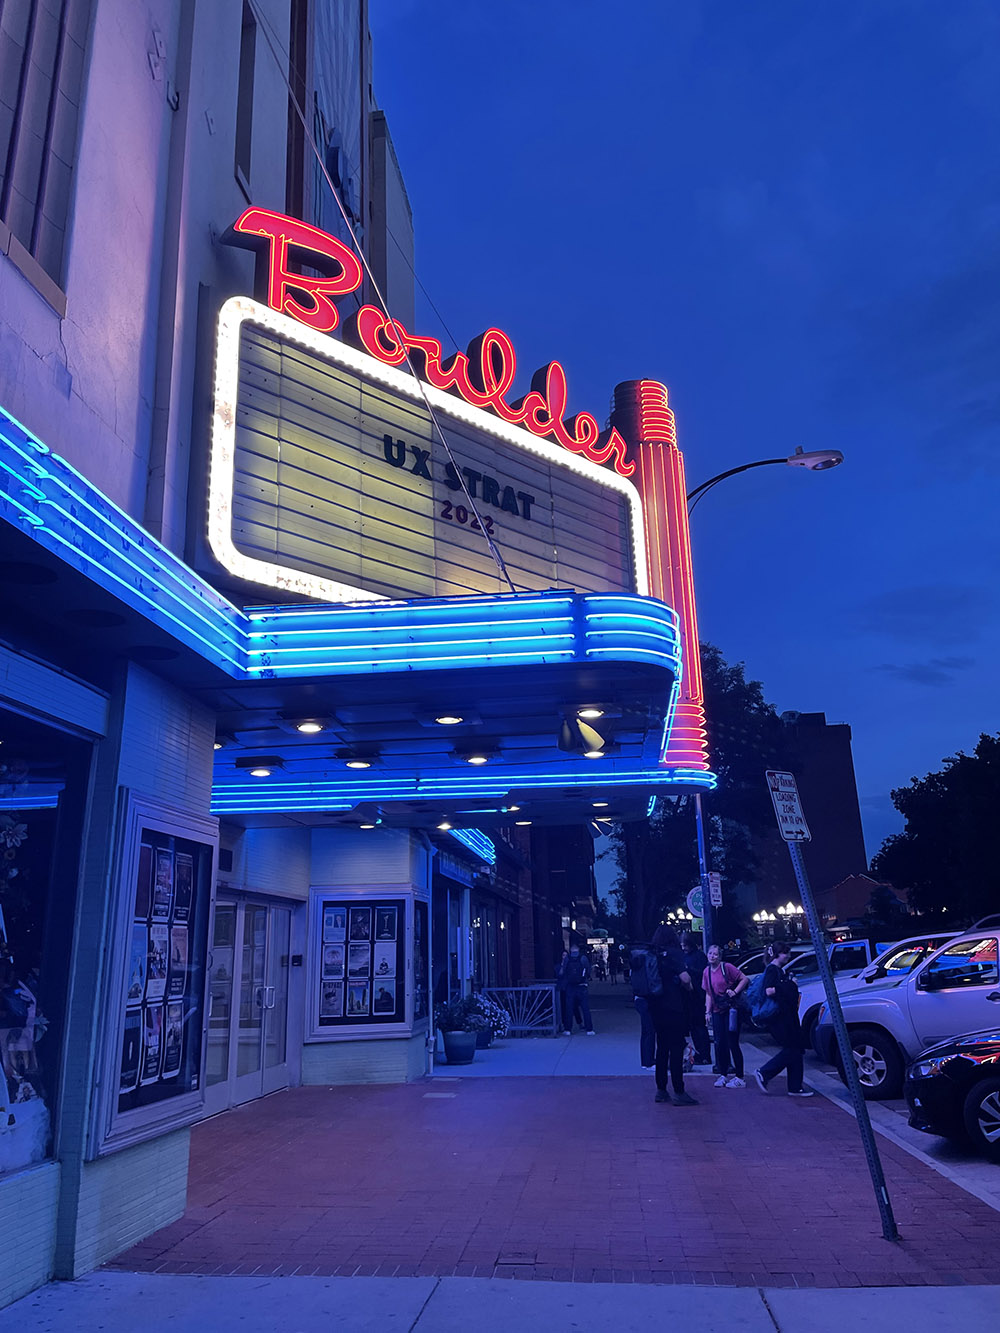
x=818, y=460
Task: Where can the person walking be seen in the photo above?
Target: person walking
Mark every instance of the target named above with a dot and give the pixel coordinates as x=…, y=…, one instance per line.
x=571, y=980
x=784, y=1027
x=695, y=963
x=723, y=984
x=669, y=1011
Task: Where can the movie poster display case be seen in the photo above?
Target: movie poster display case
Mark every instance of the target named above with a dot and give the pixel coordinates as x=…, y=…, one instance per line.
x=152, y=1044
x=369, y=963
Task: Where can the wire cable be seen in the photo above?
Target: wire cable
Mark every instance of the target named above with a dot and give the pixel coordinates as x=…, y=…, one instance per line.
x=277, y=50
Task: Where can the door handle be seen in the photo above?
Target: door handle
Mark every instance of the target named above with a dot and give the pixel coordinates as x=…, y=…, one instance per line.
x=258, y=996
x=269, y=997
x=994, y=995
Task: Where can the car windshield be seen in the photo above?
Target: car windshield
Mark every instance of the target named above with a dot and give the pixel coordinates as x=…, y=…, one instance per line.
x=901, y=960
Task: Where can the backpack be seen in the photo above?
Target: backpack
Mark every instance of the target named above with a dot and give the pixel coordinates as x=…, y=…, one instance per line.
x=763, y=1007
x=574, y=973
x=644, y=973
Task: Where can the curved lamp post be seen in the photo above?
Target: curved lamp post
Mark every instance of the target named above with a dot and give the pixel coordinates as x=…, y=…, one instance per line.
x=816, y=460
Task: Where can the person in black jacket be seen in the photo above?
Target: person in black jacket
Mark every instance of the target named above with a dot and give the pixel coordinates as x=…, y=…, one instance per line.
x=669, y=1012
x=784, y=1027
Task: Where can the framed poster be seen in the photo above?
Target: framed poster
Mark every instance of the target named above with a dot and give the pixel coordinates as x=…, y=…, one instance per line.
x=155, y=1007
x=358, y=965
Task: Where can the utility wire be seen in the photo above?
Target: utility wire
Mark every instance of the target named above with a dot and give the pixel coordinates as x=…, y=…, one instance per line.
x=277, y=51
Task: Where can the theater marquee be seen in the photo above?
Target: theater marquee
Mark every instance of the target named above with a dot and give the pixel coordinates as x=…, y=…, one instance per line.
x=328, y=480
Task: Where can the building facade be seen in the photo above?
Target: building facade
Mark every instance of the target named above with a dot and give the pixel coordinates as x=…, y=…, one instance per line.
x=301, y=654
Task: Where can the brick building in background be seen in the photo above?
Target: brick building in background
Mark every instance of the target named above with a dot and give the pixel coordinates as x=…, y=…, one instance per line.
x=819, y=753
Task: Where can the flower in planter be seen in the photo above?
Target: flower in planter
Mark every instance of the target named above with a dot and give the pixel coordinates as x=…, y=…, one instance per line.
x=460, y=1015
x=496, y=1016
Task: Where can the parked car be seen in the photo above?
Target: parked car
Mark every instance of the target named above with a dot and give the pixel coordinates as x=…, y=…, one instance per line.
x=894, y=960
x=953, y=1089
x=891, y=1021
x=754, y=963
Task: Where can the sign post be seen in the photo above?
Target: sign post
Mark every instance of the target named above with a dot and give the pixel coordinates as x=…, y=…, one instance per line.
x=793, y=828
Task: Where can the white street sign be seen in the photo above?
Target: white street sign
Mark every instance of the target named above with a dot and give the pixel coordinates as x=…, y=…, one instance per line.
x=788, y=807
x=715, y=888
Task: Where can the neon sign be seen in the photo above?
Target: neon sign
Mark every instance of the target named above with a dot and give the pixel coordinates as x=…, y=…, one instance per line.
x=483, y=375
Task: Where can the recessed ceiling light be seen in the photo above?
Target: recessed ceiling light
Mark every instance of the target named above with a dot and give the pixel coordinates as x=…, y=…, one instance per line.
x=359, y=763
x=590, y=712
x=522, y=823
x=593, y=754
x=309, y=727
x=217, y=745
x=260, y=772
x=600, y=805
x=444, y=826
x=512, y=808
x=366, y=826
x=476, y=759
x=449, y=720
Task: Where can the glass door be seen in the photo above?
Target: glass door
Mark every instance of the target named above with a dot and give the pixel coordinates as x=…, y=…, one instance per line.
x=247, y=1047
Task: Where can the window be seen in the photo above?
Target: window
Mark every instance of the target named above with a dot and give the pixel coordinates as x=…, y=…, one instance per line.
x=244, y=96
x=965, y=963
x=155, y=999
x=43, y=780
x=849, y=957
x=42, y=48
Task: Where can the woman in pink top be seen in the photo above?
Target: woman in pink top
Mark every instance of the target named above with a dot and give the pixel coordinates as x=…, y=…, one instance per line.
x=723, y=984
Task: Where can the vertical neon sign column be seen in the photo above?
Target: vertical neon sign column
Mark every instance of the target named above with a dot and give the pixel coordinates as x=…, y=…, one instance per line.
x=642, y=416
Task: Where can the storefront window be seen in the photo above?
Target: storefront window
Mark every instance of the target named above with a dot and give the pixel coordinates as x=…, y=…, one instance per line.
x=43, y=776
x=156, y=1003
x=359, y=963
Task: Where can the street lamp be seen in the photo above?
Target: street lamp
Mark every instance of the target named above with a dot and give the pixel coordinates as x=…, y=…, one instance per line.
x=815, y=460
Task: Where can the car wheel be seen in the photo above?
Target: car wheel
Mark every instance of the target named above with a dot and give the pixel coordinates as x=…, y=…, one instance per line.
x=879, y=1064
x=982, y=1116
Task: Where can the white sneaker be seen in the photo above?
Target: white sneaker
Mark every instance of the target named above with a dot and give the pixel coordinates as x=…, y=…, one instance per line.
x=803, y=1092
x=567, y=1033
x=720, y=1082
x=735, y=1082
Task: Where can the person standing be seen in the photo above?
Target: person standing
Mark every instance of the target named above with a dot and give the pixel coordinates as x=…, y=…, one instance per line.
x=695, y=963
x=641, y=958
x=669, y=1011
x=784, y=1027
x=572, y=979
x=723, y=984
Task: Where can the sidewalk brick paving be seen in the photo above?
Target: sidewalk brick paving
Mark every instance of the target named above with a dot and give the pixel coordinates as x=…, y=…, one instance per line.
x=562, y=1179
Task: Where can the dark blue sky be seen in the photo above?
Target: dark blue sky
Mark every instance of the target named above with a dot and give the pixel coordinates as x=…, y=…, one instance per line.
x=790, y=214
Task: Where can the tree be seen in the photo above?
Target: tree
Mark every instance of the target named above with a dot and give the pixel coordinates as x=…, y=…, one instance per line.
x=946, y=856
x=658, y=859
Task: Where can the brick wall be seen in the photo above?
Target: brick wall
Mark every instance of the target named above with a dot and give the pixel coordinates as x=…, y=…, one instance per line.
x=28, y=1204
x=392, y=1060
x=126, y=1196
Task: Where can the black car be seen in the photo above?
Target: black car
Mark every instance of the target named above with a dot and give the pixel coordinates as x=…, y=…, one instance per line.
x=953, y=1089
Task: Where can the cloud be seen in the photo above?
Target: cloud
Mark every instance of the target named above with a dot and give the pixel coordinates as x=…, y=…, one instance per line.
x=935, y=614
x=937, y=671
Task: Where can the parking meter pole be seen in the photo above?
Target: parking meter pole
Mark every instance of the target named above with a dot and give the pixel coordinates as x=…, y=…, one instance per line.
x=708, y=933
x=889, y=1230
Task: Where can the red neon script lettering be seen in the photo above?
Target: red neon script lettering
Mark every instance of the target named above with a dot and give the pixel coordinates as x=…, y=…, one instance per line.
x=281, y=235
x=482, y=376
